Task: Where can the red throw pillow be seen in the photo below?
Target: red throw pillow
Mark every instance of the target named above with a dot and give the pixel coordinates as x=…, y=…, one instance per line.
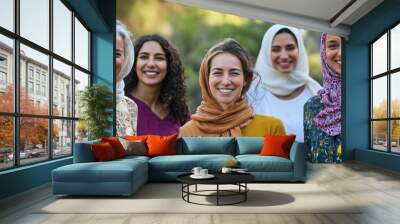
x=103, y=151
x=161, y=145
x=277, y=145
x=116, y=145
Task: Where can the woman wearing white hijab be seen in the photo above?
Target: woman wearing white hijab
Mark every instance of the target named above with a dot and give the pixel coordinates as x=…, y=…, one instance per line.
x=285, y=84
x=124, y=57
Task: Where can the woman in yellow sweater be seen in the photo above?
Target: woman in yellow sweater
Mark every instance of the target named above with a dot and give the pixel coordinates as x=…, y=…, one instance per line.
x=225, y=76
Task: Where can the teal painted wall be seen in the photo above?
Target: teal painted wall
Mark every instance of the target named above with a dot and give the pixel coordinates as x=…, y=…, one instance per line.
x=24, y=178
x=103, y=58
x=103, y=64
x=99, y=16
x=379, y=159
x=356, y=97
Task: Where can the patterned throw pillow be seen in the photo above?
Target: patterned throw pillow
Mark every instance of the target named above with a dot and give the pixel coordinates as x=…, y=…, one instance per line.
x=134, y=147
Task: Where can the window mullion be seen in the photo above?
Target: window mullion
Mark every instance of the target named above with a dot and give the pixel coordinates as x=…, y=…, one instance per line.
x=389, y=113
x=371, y=97
x=16, y=84
x=50, y=81
x=73, y=82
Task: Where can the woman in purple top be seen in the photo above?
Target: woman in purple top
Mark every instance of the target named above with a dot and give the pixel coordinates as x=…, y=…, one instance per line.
x=156, y=84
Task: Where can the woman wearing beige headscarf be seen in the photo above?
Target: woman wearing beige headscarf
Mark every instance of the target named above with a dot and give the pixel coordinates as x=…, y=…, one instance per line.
x=224, y=78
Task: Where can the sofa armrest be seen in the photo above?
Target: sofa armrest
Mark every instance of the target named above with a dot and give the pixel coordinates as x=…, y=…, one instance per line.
x=297, y=156
x=83, y=152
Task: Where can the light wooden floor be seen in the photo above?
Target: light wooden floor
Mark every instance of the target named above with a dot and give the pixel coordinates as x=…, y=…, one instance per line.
x=377, y=188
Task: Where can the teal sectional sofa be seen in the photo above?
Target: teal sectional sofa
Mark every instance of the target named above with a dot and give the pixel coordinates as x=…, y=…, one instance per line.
x=125, y=176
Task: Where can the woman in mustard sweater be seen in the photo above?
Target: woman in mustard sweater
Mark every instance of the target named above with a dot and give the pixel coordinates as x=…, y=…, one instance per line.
x=225, y=76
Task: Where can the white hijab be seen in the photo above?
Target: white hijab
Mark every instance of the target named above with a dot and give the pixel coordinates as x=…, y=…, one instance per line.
x=276, y=82
x=129, y=56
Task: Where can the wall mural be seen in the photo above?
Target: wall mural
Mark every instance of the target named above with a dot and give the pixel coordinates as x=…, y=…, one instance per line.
x=193, y=72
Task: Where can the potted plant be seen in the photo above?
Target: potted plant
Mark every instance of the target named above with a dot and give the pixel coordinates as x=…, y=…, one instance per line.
x=96, y=103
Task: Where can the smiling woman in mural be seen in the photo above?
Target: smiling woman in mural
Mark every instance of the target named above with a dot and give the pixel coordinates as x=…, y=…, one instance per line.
x=126, y=108
x=224, y=78
x=285, y=83
x=322, y=113
x=157, y=86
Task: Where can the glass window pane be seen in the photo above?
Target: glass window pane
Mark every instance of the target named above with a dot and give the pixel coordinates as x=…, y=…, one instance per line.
x=62, y=89
x=395, y=94
x=395, y=135
x=33, y=139
x=379, y=97
x=81, y=131
x=6, y=74
x=81, y=81
x=379, y=135
x=395, y=47
x=35, y=21
x=81, y=45
x=379, y=55
x=62, y=141
x=7, y=14
x=34, y=97
x=62, y=29
x=6, y=142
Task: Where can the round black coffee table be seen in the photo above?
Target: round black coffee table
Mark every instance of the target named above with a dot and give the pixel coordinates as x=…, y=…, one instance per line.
x=238, y=179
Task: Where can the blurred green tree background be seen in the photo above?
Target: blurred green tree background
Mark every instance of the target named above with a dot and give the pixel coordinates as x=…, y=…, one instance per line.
x=193, y=31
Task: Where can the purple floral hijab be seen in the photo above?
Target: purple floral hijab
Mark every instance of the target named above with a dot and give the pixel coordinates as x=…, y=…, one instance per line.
x=329, y=119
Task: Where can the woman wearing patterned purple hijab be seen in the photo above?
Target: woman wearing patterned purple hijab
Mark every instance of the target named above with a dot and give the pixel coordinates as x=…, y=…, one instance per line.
x=329, y=118
x=322, y=113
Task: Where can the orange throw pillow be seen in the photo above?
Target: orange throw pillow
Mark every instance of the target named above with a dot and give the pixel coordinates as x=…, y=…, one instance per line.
x=135, y=138
x=277, y=145
x=161, y=145
x=103, y=152
x=116, y=145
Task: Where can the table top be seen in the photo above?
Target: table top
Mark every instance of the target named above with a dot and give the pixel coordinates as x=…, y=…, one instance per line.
x=220, y=178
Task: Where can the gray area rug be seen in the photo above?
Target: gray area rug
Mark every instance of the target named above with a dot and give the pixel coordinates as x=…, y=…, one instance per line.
x=166, y=198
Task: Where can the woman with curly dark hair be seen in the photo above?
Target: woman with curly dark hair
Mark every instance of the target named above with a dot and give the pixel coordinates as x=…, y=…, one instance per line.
x=156, y=84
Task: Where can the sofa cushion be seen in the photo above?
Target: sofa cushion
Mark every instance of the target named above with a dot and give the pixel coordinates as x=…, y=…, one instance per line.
x=206, y=145
x=134, y=157
x=185, y=163
x=249, y=145
x=257, y=163
x=112, y=171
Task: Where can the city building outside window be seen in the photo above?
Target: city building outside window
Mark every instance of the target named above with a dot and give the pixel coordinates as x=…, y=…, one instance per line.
x=3, y=61
x=30, y=72
x=38, y=89
x=43, y=90
x=30, y=87
x=3, y=72
x=3, y=78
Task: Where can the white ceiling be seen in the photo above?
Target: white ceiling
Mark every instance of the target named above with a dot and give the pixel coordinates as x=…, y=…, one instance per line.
x=318, y=15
